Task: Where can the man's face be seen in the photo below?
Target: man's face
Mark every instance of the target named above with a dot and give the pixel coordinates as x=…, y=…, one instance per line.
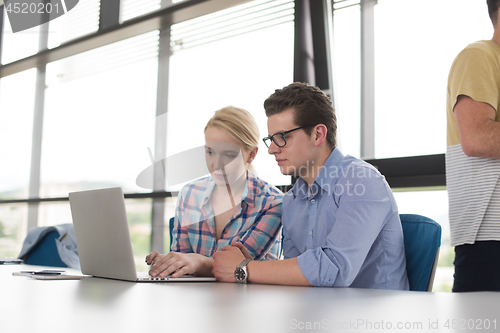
x=295, y=157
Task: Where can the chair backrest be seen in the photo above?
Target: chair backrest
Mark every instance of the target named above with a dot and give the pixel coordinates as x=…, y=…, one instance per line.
x=170, y=229
x=422, y=239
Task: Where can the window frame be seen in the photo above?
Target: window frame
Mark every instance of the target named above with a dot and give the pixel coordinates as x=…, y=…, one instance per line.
x=313, y=34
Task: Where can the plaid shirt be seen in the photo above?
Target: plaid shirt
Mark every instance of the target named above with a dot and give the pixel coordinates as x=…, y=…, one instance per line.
x=256, y=224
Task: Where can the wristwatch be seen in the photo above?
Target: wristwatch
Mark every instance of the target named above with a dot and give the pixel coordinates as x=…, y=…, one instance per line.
x=241, y=273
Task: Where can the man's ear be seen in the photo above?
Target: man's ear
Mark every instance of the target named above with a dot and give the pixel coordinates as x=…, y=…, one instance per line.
x=319, y=134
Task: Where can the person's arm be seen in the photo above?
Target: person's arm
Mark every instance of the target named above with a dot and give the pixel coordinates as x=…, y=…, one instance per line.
x=181, y=260
x=479, y=132
x=283, y=272
x=261, y=236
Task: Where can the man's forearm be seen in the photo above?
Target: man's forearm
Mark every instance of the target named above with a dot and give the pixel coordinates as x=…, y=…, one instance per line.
x=479, y=132
x=284, y=272
x=486, y=143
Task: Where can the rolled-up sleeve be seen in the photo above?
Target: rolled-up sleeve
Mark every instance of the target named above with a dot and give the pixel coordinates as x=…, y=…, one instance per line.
x=264, y=232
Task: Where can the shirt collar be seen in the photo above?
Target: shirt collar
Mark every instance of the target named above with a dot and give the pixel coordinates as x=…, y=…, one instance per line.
x=323, y=180
x=330, y=170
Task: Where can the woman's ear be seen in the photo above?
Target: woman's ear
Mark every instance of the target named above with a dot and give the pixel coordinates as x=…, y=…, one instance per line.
x=252, y=154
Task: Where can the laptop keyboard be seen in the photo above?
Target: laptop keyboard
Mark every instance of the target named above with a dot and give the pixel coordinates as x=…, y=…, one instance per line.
x=146, y=276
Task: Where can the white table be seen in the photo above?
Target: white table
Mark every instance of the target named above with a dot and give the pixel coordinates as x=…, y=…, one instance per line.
x=100, y=305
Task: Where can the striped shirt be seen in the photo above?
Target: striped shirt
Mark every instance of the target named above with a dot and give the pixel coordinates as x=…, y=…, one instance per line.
x=256, y=223
x=473, y=183
x=474, y=197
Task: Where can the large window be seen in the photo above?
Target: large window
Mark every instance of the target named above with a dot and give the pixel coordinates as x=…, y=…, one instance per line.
x=130, y=9
x=19, y=45
x=13, y=229
x=346, y=78
x=415, y=44
x=97, y=104
x=99, y=117
x=234, y=57
x=82, y=20
x=16, y=126
x=16, y=120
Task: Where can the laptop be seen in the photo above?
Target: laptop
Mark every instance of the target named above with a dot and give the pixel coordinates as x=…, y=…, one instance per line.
x=103, y=238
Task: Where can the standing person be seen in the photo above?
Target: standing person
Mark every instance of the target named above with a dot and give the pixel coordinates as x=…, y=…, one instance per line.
x=232, y=204
x=341, y=225
x=473, y=161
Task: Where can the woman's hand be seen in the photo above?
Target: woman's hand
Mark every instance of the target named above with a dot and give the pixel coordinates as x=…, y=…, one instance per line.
x=243, y=249
x=178, y=264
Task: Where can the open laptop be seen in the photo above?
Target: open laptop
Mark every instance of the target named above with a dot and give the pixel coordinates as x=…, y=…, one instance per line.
x=103, y=239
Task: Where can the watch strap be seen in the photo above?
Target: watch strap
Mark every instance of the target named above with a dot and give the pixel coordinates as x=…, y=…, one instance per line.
x=243, y=266
x=244, y=263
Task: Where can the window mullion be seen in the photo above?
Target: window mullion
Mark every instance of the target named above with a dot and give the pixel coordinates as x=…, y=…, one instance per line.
x=367, y=149
x=36, y=146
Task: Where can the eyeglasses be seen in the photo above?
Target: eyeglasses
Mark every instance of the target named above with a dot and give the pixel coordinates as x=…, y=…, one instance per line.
x=279, y=138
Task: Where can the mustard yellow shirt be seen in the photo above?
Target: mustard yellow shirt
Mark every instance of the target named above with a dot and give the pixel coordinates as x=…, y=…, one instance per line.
x=474, y=73
x=473, y=183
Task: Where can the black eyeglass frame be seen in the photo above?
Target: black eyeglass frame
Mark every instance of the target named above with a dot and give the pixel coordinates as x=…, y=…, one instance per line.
x=283, y=136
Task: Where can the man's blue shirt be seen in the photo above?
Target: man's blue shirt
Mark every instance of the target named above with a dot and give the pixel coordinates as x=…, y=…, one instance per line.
x=347, y=232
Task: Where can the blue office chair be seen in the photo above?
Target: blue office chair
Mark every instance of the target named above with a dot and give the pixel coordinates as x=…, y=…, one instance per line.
x=422, y=239
x=170, y=229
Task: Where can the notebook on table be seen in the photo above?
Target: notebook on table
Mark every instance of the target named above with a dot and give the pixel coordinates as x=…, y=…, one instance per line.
x=103, y=238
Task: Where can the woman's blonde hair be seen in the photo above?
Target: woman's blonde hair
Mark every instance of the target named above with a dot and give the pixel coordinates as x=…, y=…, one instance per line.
x=237, y=123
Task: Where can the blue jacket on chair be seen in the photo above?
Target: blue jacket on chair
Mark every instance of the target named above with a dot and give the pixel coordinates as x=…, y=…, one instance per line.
x=51, y=246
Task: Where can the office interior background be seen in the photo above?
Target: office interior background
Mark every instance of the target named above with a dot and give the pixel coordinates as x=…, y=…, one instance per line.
x=86, y=97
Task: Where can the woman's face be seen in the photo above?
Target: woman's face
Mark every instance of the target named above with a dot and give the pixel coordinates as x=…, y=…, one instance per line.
x=226, y=158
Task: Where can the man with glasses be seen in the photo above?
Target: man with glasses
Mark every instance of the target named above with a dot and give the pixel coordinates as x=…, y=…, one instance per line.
x=341, y=225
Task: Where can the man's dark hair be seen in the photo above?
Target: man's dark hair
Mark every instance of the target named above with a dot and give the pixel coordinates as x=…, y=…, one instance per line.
x=493, y=10
x=311, y=107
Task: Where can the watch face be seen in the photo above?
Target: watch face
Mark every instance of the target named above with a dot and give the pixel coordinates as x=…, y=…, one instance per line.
x=240, y=274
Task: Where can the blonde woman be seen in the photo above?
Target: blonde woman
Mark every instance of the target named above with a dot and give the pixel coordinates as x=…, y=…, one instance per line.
x=232, y=205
